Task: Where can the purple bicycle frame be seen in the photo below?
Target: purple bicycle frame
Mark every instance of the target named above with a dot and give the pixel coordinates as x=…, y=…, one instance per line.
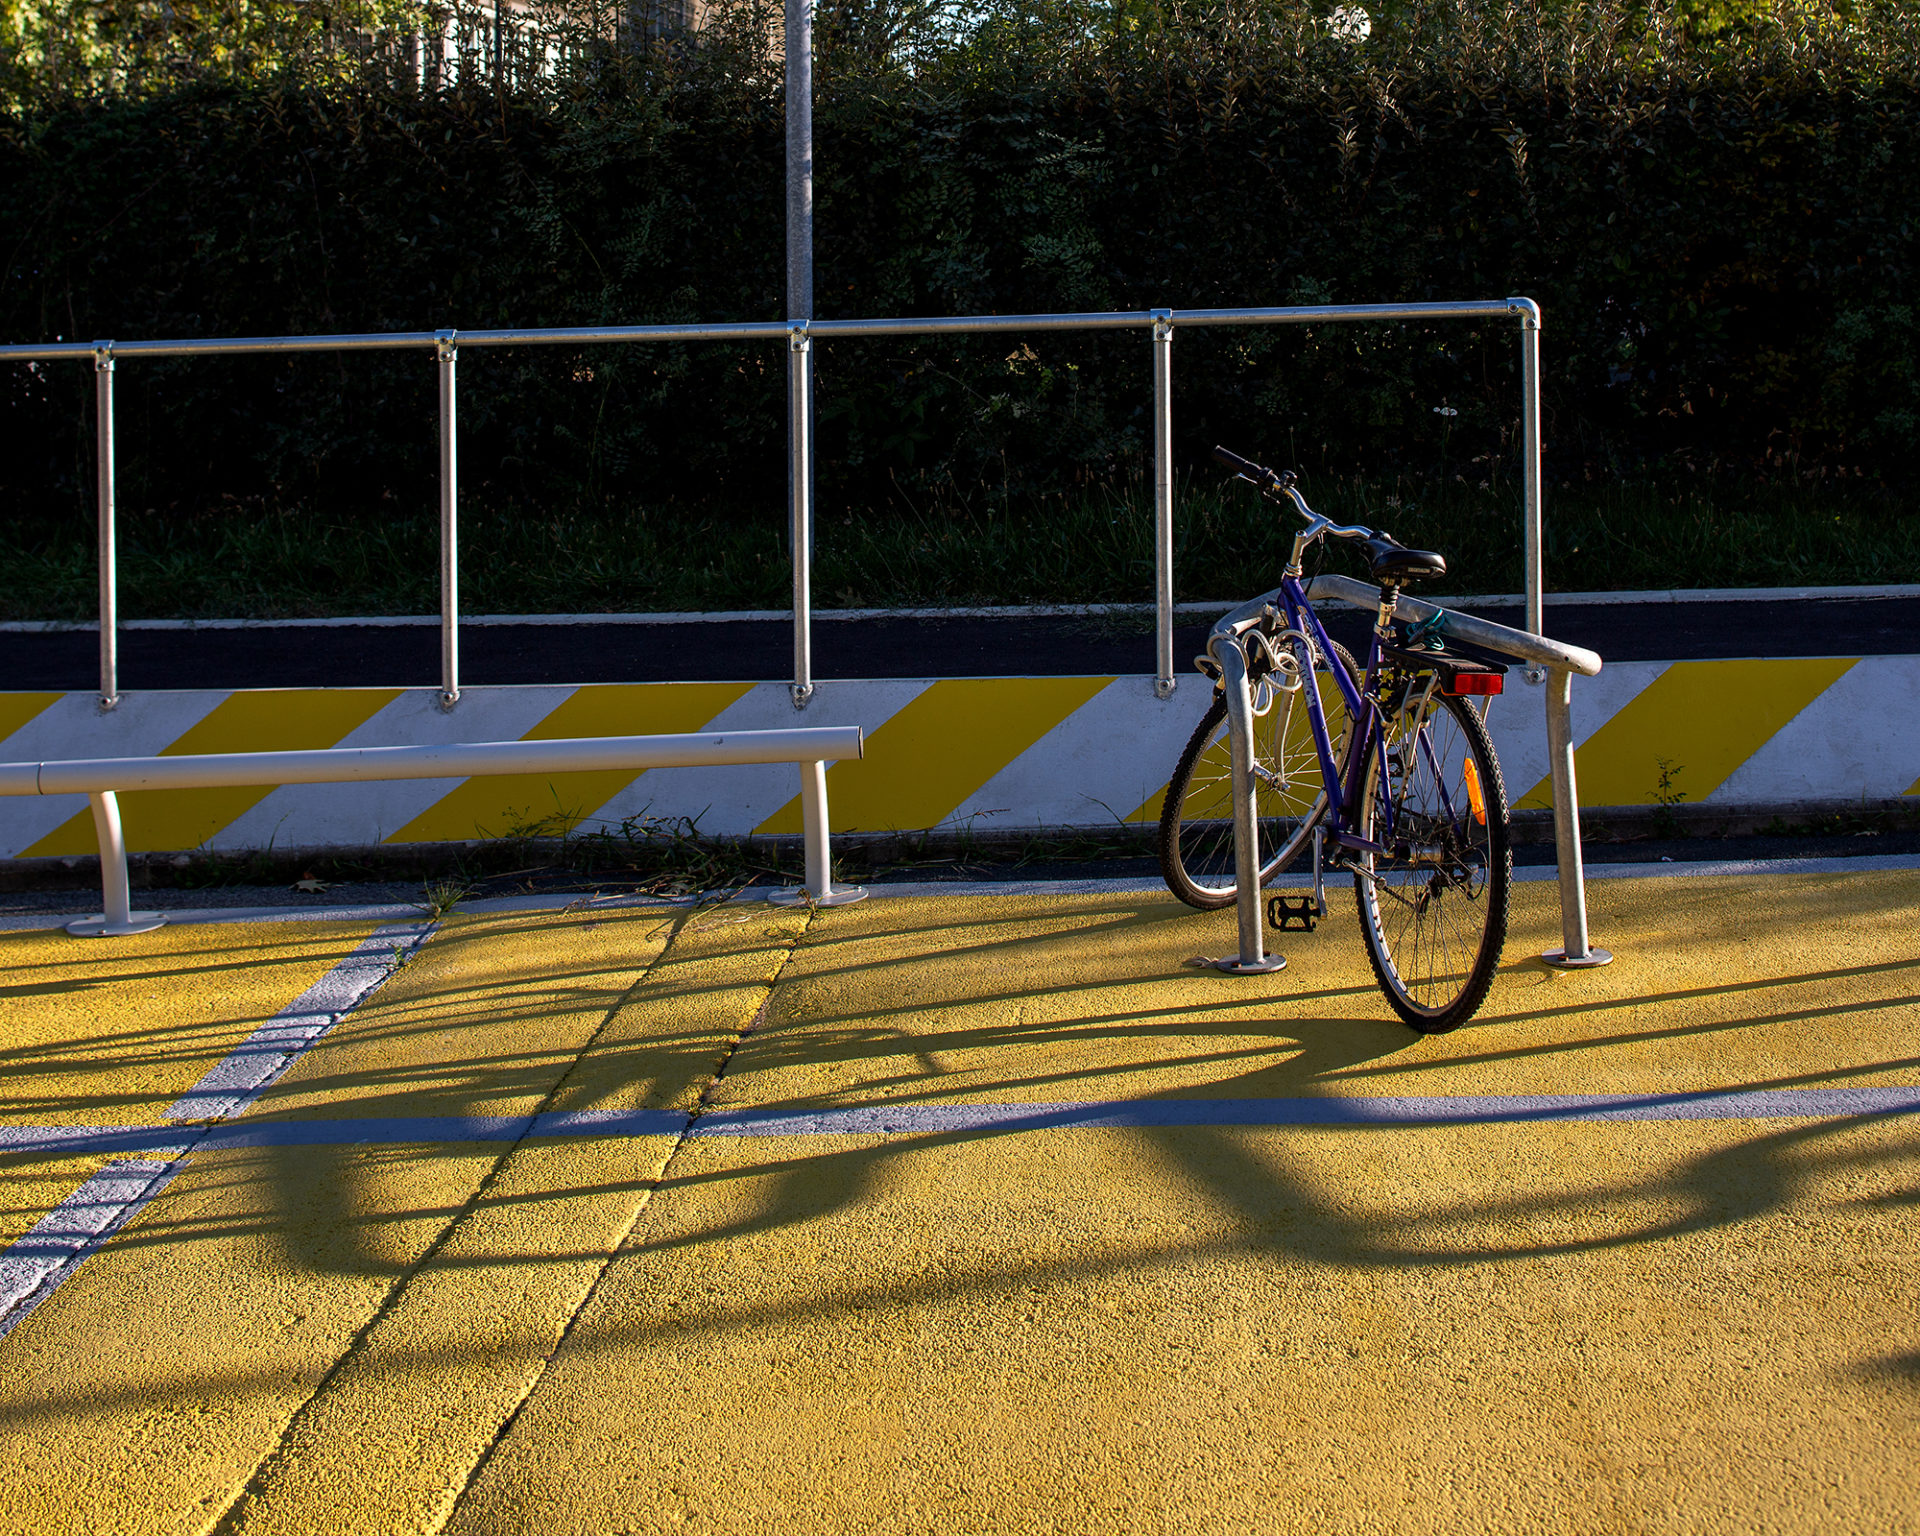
x=1370, y=738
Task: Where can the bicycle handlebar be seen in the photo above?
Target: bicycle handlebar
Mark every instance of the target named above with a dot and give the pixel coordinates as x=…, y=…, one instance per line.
x=1258, y=474
x=1287, y=481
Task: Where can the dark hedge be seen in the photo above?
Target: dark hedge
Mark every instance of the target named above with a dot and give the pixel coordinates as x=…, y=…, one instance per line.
x=1728, y=274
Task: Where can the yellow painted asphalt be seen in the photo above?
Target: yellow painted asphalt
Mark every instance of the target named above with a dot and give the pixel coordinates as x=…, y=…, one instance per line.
x=1600, y=1326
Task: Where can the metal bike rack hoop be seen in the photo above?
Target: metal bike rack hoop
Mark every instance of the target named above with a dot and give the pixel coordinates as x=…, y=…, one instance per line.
x=1560, y=660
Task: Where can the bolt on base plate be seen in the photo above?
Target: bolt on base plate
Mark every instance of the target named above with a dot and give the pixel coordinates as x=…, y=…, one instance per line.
x=1591, y=960
x=1233, y=967
x=98, y=927
x=800, y=896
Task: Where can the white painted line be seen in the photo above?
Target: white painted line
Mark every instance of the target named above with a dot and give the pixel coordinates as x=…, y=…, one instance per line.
x=34, y=1266
x=1027, y=611
x=32, y=1269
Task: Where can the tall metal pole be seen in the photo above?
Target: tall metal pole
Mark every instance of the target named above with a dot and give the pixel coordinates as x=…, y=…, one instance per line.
x=104, y=499
x=1163, y=682
x=799, y=50
x=446, y=351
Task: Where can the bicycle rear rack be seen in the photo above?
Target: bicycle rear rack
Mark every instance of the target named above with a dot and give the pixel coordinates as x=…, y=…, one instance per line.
x=1227, y=646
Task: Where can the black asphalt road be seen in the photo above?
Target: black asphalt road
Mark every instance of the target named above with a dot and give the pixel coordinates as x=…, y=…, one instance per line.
x=409, y=656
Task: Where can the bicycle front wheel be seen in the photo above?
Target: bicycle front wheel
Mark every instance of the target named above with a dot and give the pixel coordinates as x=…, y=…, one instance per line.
x=1434, y=908
x=1196, y=821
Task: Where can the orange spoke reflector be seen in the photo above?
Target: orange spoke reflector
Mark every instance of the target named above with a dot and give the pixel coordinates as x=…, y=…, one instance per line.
x=1476, y=797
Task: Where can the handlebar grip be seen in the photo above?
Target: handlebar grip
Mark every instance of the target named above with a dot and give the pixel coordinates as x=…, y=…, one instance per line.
x=1234, y=462
x=1259, y=474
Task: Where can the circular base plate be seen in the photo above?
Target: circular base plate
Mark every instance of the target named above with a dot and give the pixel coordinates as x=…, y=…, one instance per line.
x=1233, y=967
x=799, y=896
x=100, y=928
x=1593, y=958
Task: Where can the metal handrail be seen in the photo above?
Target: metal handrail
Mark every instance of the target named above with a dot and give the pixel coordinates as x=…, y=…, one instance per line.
x=101, y=780
x=1561, y=661
x=799, y=335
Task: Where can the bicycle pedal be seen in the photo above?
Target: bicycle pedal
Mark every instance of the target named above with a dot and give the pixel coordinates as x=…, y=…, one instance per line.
x=1285, y=912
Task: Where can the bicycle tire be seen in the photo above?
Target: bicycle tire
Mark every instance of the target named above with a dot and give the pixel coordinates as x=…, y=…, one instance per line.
x=1437, y=962
x=1196, y=820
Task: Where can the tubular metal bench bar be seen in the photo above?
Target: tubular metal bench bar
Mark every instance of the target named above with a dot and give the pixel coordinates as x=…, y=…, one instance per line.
x=809, y=748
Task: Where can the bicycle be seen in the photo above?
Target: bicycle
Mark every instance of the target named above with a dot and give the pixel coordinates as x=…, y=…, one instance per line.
x=1392, y=768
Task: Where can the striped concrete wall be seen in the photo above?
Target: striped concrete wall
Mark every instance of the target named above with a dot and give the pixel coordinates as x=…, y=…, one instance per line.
x=996, y=753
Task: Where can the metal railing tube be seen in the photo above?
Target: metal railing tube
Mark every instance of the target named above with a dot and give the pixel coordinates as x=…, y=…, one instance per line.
x=1252, y=960
x=446, y=351
x=351, y=765
x=800, y=504
x=1320, y=314
x=1574, y=953
x=1530, y=470
x=1163, y=682
x=1534, y=648
x=800, y=330
x=100, y=778
x=984, y=325
x=103, y=451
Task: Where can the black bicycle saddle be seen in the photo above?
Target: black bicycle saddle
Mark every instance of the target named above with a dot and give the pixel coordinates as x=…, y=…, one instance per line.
x=1393, y=561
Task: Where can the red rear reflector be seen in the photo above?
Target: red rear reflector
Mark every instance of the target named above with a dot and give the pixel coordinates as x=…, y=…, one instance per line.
x=1476, y=682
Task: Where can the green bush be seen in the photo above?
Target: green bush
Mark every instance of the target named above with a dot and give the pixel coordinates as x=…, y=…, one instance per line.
x=1714, y=207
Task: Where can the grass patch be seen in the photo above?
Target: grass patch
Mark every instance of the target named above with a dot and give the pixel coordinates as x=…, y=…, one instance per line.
x=239, y=561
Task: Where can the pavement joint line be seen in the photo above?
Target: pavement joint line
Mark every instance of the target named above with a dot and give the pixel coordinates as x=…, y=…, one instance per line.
x=510, y=1129
x=36, y=1264
x=590, y=1120
x=926, y=1119
x=1126, y=885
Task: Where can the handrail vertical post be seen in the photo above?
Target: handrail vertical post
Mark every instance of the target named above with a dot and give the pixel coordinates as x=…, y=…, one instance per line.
x=800, y=496
x=1575, y=952
x=104, y=492
x=1163, y=681
x=1530, y=474
x=1252, y=960
x=446, y=351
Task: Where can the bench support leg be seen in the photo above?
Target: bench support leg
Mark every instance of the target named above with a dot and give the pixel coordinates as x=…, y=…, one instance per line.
x=115, y=895
x=1575, y=953
x=819, y=891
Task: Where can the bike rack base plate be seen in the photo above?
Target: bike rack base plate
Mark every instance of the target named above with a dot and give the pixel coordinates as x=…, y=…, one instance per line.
x=839, y=896
x=1592, y=959
x=98, y=927
x=1233, y=966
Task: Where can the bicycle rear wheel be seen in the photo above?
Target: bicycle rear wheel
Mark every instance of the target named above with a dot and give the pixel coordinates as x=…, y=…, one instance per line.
x=1196, y=822
x=1435, y=910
